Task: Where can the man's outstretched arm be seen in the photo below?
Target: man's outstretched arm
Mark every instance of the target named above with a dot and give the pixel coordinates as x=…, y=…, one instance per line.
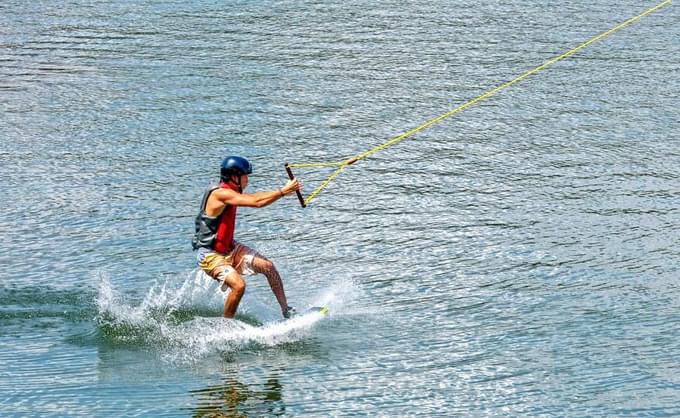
x=259, y=199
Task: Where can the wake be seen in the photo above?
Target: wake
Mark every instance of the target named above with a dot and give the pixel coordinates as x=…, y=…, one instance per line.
x=182, y=320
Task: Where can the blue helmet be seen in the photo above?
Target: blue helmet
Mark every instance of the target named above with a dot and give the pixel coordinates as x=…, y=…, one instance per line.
x=234, y=165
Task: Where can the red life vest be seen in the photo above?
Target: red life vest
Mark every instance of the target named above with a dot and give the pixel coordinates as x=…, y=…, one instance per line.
x=224, y=238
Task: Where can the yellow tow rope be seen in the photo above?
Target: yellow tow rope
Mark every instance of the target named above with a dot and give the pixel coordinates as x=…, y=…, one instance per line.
x=342, y=165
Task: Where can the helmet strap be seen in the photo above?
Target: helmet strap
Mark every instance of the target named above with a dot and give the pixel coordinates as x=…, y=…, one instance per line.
x=237, y=182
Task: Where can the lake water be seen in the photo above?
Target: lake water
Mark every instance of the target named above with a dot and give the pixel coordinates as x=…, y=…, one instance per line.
x=518, y=259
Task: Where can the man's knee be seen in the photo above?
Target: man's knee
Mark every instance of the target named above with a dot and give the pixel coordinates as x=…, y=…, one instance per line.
x=237, y=284
x=230, y=278
x=264, y=265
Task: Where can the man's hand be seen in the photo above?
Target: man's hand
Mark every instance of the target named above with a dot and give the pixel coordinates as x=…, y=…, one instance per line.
x=291, y=187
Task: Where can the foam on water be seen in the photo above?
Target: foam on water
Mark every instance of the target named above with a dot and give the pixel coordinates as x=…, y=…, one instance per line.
x=181, y=320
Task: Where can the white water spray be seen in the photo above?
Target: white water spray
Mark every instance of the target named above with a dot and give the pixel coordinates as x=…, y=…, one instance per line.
x=182, y=319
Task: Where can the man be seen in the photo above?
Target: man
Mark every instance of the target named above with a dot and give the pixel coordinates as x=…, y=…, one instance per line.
x=219, y=255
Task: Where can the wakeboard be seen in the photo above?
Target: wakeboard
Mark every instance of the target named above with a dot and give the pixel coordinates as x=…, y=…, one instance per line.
x=319, y=309
x=312, y=314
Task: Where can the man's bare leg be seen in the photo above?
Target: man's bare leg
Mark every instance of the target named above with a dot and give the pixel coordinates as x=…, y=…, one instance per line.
x=237, y=288
x=266, y=267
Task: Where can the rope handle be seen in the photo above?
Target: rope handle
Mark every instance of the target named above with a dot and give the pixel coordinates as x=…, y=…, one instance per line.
x=297, y=192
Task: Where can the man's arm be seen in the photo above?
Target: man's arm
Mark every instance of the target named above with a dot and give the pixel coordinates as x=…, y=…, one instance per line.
x=259, y=199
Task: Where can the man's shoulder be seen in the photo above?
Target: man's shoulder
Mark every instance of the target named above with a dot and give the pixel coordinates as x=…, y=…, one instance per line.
x=222, y=193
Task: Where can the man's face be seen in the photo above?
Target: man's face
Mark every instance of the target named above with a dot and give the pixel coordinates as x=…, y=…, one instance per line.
x=244, y=181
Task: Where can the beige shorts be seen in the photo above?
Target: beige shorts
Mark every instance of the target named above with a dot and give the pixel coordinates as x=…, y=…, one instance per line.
x=209, y=260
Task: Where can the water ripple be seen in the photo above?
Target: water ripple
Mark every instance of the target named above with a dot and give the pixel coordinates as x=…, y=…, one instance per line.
x=518, y=259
